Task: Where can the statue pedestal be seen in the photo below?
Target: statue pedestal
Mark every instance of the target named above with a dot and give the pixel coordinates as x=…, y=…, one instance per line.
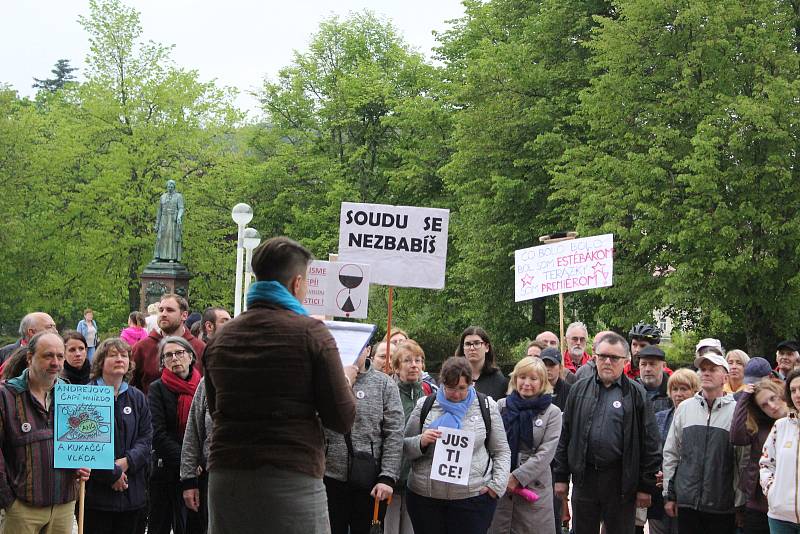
x=159, y=278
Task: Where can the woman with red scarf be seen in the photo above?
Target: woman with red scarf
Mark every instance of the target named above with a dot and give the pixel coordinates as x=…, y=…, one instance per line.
x=170, y=399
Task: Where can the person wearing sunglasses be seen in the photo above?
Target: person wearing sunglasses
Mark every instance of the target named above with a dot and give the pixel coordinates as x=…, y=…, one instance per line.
x=609, y=445
x=170, y=399
x=477, y=349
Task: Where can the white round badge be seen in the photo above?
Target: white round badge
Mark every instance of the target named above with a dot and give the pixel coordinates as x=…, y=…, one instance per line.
x=617, y=404
x=474, y=418
x=538, y=422
x=360, y=394
x=26, y=427
x=127, y=410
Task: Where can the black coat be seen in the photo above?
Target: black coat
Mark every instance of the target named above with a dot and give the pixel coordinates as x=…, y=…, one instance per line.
x=133, y=435
x=492, y=383
x=166, y=441
x=641, y=444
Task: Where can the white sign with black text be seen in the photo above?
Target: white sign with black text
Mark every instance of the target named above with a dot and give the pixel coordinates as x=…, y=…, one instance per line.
x=337, y=289
x=404, y=246
x=452, y=457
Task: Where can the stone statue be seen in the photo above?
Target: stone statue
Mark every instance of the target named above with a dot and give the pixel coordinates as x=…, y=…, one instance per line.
x=169, y=224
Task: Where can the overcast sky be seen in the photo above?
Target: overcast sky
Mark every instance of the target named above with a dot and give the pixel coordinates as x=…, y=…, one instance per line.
x=238, y=42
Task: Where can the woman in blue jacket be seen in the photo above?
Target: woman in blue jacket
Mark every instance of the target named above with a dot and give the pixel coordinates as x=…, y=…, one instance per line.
x=115, y=499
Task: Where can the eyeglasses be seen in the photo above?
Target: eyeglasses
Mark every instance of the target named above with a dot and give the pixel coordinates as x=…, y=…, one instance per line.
x=473, y=344
x=177, y=355
x=456, y=389
x=610, y=357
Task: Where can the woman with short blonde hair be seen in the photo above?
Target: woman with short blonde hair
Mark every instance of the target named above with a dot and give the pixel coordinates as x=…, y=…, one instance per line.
x=737, y=361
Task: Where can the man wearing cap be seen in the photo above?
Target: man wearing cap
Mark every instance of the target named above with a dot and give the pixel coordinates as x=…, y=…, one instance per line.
x=609, y=445
x=787, y=357
x=652, y=362
x=699, y=461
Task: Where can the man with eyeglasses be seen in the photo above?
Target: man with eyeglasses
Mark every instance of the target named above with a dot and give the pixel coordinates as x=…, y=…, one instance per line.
x=576, y=356
x=606, y=420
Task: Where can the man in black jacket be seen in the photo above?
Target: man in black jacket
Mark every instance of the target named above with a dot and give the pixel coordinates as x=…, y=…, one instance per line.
x=609, y=445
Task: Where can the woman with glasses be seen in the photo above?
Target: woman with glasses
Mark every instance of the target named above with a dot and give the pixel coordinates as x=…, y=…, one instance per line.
x=437, y=507
x=477, y=349
x=170, y=400
x=115, y=498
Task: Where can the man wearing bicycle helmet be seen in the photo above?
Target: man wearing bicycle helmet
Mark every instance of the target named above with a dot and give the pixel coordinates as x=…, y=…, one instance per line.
x=641, y=335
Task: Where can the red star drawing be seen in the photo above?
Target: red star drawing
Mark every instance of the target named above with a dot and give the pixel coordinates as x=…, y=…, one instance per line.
x=526, y=280
x=598, y=266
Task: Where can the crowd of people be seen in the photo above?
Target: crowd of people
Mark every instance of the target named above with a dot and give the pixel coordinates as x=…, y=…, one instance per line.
x=253, y=424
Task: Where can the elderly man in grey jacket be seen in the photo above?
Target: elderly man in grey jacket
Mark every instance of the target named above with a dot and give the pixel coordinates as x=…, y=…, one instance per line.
x=377, y=431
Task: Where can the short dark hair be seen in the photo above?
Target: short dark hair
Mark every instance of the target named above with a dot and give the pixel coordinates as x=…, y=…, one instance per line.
x=182, y=303
x=102, y=352
x=488, y=364
x=210, y=314
x=612, y=338
x=74, y=334
x=453, y=369
x=280, y=259
x=794, y=373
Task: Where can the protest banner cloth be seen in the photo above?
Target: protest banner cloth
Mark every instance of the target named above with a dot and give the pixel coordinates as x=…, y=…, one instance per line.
x=404, y=246
x=563, y=267
x=351, y=338
x=337, y=289
x=452, y=456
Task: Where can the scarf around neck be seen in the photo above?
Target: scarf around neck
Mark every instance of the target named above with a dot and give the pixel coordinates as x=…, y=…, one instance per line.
x=75, y=375
x=274, y=292
x=184, y=389
x=454, y=412
x=518, y=420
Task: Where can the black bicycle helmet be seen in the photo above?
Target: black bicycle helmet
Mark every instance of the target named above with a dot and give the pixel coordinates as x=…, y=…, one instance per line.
x=647, y=332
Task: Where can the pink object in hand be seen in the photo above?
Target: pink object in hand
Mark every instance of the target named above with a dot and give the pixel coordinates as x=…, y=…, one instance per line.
x=528, y=495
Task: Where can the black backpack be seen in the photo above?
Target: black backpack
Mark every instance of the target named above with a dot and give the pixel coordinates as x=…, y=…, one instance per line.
x=483, y=402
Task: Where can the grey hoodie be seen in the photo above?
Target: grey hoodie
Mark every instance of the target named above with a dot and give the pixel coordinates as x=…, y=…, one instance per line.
x=378, y=428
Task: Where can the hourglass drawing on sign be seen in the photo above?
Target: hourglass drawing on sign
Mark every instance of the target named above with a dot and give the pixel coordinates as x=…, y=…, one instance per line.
x=351, y=276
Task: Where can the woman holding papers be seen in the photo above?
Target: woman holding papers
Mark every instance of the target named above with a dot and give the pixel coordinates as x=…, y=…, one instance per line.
x=115, y=498
x=533, y=426
x=464, y=495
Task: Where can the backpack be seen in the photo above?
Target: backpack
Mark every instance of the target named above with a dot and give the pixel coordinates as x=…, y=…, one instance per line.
x=483, y=404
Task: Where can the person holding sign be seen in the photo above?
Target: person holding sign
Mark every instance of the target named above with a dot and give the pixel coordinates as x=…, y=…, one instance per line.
x=533, y=426
x=170, y=399
x=36, y=496
x=477, y=349
x=458, y=420
x=115, y=499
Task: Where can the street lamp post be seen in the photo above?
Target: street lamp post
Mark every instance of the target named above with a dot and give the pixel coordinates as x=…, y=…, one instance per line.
x=250, y=241
x=241, y=215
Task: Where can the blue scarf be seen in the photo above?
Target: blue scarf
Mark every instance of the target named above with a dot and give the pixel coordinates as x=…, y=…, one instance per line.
x=274, y=293
x=518, y=420
x=454, y=412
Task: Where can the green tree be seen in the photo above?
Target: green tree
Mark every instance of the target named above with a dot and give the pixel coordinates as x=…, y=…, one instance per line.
x=62, y=74
x=691, y=161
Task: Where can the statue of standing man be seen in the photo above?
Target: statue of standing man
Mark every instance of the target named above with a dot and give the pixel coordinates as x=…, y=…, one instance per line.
x=169, y=224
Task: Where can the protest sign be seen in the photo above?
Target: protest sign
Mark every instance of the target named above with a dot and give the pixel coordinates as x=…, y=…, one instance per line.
x=452, y=457
x=351, y=338
x=564, y=267
x=337, y=289
x=84, y=427
x=404, y=246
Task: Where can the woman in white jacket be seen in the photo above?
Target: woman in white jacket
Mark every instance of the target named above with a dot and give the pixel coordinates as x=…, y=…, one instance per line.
x=779, y=474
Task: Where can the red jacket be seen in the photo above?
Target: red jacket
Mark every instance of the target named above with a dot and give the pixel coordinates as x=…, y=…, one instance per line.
x=145, y=355
x=567, y=359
